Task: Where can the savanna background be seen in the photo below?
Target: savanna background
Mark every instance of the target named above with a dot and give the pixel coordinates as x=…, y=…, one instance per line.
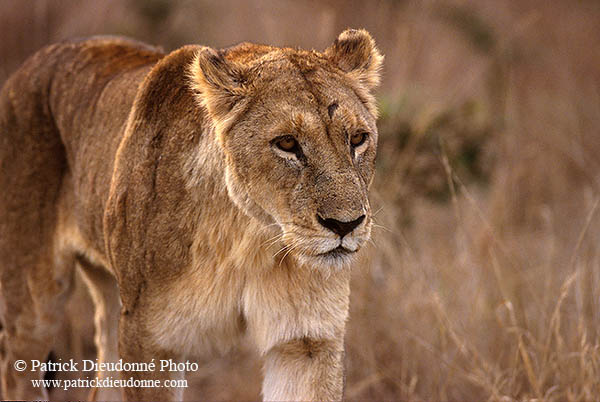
x=483, y=278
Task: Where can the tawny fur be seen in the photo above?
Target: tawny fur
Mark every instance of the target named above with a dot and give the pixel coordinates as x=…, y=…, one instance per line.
x=160, y=177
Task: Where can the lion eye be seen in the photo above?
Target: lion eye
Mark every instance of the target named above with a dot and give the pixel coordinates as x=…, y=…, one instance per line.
x=358, y=139
x=287, y=144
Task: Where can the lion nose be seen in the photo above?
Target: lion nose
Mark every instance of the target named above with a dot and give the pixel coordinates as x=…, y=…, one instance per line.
x=339, y=227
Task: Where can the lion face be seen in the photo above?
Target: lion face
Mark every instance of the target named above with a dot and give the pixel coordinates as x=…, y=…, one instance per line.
x=299, y=136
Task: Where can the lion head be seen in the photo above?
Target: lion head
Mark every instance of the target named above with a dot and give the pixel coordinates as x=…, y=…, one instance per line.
x=298, y=134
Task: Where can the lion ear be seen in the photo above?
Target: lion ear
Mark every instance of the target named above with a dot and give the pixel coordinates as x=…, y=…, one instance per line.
x=219, y=84
x=355, y=53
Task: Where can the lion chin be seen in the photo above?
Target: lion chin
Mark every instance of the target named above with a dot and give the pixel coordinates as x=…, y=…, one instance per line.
x=337, y=258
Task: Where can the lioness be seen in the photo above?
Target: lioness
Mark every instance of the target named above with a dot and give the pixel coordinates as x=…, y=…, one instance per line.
x=205, y=194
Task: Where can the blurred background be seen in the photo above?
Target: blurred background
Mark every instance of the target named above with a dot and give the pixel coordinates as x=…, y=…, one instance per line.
x=483, y=278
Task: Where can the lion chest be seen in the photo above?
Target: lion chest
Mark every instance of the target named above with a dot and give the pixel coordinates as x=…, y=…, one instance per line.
x=202, y=314
x=204, y=310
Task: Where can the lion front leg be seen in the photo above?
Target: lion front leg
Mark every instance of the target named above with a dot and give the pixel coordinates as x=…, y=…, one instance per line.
x=296, y=317
x=304, y=370
x=137, y=346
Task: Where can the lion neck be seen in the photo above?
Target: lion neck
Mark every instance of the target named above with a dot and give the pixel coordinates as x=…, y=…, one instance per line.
x=228, y=232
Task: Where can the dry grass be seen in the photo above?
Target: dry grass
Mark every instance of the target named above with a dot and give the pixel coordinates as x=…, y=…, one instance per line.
x=483, y=282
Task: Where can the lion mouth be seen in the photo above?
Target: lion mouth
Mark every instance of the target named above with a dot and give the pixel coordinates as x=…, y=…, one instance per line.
x=337, y=252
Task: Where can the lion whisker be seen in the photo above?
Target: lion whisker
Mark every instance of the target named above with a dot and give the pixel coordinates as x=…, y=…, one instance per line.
x=375, y=225
x=264, y=228
x=376, y=212
x=295, y=246
x=271, y=241
x=284, y=248
x=373, y=243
